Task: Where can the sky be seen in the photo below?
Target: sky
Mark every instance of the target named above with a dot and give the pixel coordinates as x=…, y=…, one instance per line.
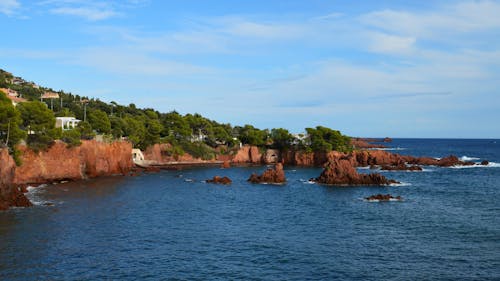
x=425, y=69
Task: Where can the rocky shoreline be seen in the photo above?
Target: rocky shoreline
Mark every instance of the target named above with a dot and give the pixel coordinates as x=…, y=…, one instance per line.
x=94, y=159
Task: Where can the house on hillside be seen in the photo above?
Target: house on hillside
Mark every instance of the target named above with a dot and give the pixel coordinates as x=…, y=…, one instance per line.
x=13, y=96
x=50, y=95
x=17, y=81
x=66, y=123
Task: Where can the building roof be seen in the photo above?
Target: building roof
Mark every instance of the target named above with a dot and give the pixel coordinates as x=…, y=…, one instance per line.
x=50, y=95
x=15, y=100
x=9, y=92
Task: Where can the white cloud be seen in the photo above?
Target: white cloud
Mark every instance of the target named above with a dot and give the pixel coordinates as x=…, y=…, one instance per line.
x=8, y=7
x=90, y=10
x=391, y=44
x=457, y=18
x=88, y=13
x=130, y=62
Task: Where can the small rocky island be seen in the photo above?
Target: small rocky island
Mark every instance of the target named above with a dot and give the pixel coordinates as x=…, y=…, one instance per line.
x=339, y=171
x=274, y=175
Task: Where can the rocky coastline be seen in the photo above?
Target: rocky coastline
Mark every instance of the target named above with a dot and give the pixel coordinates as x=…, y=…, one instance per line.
x=60, y=163
x=94, y=159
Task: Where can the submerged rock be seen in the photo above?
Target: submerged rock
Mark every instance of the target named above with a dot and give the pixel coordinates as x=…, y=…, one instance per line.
x=276, y=175
x=342, y=172
x=401, y=167
x=383, y=197
x=219, y=180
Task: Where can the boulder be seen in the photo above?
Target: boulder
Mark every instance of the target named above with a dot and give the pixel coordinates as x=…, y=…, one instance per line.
x=485, y=162
x=274, y=176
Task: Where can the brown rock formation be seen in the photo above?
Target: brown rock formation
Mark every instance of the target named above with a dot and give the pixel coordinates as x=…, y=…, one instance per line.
x=342, y=172
x=10, y=195
x=159, y=153
x=383, y=197
x=401, y=167
x=91, y=159
x=248, y=154
x=485, y=163
x=219, y=180
x=274, y=176
x=226, y=165
x=363, y=144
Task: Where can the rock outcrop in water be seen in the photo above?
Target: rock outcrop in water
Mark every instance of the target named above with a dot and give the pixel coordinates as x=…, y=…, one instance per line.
x=273, y=176
x=342, y=172
x=400, y=167
x=219, y=180
x=383, y=198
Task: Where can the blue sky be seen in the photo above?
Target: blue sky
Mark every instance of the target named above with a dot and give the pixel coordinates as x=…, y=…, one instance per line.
x=367, y=68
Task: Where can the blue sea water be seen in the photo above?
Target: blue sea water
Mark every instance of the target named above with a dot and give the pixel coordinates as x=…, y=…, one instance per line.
x=172, y=226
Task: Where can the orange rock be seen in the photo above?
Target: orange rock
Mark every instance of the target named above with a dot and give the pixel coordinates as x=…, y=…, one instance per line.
x=219, y=180
x=276, y=175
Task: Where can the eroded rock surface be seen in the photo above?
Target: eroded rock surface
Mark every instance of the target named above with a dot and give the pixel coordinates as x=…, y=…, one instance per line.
x=274, y=175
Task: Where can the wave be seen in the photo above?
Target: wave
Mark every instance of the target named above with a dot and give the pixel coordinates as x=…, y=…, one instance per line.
x=377, y=200
x=33, y=195
x=468, y=158
x=400, y=184
x=478, y=165
x=307, y=181
x=387, y=148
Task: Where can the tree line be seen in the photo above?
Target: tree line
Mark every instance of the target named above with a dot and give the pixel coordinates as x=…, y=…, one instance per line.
x=34, y=123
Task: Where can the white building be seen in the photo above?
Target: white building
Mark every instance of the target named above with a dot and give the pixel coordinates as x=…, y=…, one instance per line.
x=67, y=123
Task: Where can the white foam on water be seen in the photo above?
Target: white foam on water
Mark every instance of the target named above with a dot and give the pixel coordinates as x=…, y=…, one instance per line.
x=307, y=181
x=400, y=184
x=33, y=195
x=363, y=168
x=387, y=148
x=468, y=158
x=478, y=165
x=377, y=200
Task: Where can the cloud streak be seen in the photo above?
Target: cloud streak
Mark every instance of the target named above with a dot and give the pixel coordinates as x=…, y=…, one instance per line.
x=8, y=7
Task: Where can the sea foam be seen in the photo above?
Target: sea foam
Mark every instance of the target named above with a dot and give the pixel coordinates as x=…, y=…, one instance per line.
x=468, y=158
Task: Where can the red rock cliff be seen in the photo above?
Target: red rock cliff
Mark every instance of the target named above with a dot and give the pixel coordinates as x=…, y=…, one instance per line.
x=10, y=195
x=248, y=154
x=91, y=159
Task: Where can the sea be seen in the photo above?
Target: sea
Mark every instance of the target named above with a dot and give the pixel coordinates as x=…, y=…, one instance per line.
x=171, y=225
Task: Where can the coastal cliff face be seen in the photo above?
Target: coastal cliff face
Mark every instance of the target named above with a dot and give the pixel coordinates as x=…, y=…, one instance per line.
x=248, y=154
x=91, y=159
x=158, y=153
x=10, y=195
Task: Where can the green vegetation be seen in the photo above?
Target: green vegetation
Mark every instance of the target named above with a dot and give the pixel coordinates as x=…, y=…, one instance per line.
x=34, y=122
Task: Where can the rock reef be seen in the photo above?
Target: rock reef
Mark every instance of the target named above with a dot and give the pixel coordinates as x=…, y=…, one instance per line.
x=383, y=198
x=219, y=180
